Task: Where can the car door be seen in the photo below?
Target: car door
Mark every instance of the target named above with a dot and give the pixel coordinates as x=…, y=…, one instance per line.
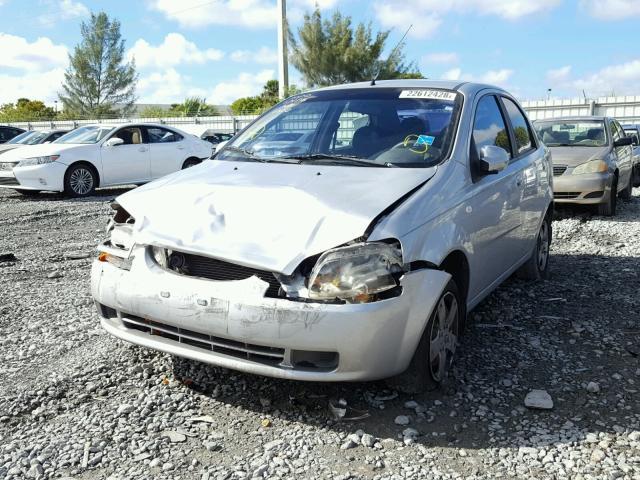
x=495, y=217
x=624, y=156
x=168, y=150
x=127, y=162
x=534, y=172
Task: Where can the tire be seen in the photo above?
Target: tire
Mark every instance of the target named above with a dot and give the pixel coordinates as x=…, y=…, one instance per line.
x=80, y=180
x=636, y=176
x=537, y=266
x=627, y=192
x=191, y=162
x=29, y=193
x=429, y=366
x=608, y=208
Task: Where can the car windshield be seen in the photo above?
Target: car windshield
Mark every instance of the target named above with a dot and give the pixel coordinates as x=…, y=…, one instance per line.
x=374, y=127
x=582, y=133
x=28, y=138
x=86, y=135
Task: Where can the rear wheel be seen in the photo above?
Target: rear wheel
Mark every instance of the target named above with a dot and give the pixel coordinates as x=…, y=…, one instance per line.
x=435, y=352
x=636, y=176
x=80, y=180
x=537, y=267
x=608, y=208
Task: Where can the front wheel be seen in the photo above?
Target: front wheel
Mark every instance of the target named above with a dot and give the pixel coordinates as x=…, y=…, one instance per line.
x=627, y=192
x=80, y=181
x=608, y=208
x=537, y=266
x=435, y=352
x=191, y=162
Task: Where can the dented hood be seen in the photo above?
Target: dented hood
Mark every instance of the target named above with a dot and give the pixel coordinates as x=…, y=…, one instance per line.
x=267, y=216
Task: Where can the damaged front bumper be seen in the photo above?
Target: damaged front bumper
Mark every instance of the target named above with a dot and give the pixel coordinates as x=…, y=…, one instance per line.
x=232, y=324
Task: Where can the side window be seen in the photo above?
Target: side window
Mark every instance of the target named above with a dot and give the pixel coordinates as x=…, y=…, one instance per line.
x=55, y=136
x=521, y=128
x=130, y=135
x=489, y=127
x=162, y=135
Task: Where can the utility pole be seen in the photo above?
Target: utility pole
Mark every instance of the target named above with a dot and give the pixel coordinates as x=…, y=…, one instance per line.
x=283, y=63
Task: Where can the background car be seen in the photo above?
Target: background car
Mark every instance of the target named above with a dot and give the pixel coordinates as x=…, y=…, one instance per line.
x=7, y=133
x=342, y=261
x=32, y=137
x=215, y=138
x=633, y=131
x=101, y=155
x=592, y=160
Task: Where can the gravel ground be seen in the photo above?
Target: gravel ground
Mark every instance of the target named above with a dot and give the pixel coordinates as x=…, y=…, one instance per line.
x=75, y=402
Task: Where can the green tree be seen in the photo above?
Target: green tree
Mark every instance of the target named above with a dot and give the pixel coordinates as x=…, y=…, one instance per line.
x=98, y=78
x=330, y=52
x=154, y=112
x=25, y=110
x=247, y=105
x=193, y=107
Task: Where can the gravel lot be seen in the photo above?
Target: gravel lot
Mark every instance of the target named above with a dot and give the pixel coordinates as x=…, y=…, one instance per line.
x=75, y=402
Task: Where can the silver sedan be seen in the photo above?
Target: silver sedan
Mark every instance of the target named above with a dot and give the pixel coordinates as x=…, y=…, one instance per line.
x=356, y=259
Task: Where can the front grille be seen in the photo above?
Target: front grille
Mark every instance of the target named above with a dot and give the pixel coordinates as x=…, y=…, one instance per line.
x=257, y=353
x=559, y=170
x=566, y=194
x=8, y=181
x=212, y=269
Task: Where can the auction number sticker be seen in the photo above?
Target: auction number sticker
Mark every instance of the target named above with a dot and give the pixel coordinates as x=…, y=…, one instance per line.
x=431, y=94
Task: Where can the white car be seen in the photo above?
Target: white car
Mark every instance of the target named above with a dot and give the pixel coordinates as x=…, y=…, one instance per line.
x=99, y=156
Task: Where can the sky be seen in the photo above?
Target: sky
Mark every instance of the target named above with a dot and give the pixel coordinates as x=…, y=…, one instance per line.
x=226, y=49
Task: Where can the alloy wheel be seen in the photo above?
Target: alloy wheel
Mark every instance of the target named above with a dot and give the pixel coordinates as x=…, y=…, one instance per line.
x=543, y=246
x=81, y=181
x=444, y=336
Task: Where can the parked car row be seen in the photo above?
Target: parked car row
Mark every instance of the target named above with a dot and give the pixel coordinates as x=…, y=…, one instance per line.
x=99, y=155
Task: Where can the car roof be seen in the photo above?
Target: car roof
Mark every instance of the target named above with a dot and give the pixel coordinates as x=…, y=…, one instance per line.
x=466, y=88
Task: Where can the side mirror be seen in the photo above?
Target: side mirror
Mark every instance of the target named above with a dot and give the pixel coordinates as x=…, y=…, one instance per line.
x=634, y=137
x=113, y=141
x=623, y=142
x=493, y=159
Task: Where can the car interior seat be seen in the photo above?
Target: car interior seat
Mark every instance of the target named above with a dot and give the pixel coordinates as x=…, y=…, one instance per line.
x=136, y=137
x=595, y=134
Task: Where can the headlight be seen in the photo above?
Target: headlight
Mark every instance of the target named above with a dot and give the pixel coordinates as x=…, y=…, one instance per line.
x=594, y=166
x=160, y=255
x=27, y=162
x=355, y=272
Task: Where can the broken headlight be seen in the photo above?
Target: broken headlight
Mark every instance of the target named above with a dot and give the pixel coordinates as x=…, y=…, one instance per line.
x=356, y=272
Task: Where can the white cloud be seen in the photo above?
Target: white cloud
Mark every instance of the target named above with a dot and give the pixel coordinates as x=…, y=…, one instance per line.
x=611, y=9
x=495, y=77
x=64, y=10
x=620, y=79
x=39, y=55
x=174, y=50
x=245, y=85
x=193, y=13
x=426, y=15
x=42, y=85
x=441, y=57
x=453, y=74
x=166, y=87
x=558, y=76
x=264, y=56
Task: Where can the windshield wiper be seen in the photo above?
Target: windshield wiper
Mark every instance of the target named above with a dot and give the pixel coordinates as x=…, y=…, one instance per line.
x=256, y=158
x=338, y=159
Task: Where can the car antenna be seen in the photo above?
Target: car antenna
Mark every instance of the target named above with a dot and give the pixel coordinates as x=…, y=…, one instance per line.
x=377, y=72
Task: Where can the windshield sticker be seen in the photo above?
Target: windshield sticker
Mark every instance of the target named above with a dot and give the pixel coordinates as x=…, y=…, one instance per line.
x=432, y=94
x=418, y=143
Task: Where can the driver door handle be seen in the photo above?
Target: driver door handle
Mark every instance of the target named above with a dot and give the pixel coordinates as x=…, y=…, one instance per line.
x=142, y=149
